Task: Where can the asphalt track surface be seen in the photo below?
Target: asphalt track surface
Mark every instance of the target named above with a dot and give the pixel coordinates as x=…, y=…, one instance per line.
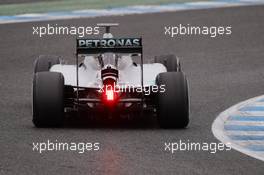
x=222, y=71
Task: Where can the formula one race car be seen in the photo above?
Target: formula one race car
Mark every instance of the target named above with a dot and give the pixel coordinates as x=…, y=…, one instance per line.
x=109, y=81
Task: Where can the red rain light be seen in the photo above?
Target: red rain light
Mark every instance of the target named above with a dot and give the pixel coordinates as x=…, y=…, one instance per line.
x=110, y=95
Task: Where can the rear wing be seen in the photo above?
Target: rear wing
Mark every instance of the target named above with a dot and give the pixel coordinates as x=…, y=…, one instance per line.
x=114, y=45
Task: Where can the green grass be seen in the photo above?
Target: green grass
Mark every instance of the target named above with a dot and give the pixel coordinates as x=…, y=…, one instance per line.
x=67, y=5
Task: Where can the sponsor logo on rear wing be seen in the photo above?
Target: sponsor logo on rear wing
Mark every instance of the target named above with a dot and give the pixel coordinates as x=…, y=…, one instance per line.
x=115, y=45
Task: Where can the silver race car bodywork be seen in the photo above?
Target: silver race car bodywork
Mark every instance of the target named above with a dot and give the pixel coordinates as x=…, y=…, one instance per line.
x=109, y=77
x=90, y=73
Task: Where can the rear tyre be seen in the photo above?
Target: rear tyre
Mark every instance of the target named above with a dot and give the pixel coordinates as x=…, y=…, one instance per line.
x=171, y=62
x=48, y=99
x=173, y=103
x=44, y=62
